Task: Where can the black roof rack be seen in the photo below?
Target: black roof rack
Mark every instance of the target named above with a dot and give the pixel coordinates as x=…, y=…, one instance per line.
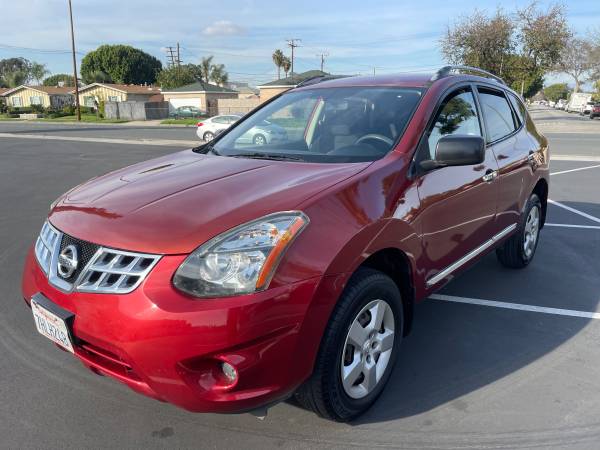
x=319, y=79
x=449, y=70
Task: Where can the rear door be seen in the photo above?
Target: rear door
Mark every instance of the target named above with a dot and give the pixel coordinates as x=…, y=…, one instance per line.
x=511, y=149
x=459, y=202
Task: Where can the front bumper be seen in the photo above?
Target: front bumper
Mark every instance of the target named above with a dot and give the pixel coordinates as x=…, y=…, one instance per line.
x=169, y=346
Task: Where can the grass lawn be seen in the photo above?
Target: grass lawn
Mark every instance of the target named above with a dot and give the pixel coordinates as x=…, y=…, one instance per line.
x=84, y=118
x=190, y=121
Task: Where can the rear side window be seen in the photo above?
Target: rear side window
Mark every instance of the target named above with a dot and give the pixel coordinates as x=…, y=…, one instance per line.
x=518, y=107
x=498, y=115
x=458, y=115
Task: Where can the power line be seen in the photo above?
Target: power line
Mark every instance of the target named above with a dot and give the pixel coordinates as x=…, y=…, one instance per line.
x=39, y=50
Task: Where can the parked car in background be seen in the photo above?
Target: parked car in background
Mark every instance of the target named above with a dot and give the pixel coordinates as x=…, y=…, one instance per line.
x=560, y=104
x=595, y=112
x=188, y=112
x=586, y=108
x=577, y=100
x=263, y=133
x=231, y=276
x=209, y=128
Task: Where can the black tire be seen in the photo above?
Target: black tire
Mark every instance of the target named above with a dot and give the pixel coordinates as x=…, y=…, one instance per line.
x=208, y=136
x=323, y=392
x=512, y=253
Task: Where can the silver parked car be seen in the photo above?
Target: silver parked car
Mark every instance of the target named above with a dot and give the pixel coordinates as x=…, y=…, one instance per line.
x=263, y=133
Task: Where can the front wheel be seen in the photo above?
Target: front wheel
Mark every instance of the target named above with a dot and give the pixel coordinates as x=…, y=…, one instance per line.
x=358, y=350
x=518, y=251
x=208, y=136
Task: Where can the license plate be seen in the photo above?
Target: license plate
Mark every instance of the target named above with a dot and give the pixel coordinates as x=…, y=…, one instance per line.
x=52, y=324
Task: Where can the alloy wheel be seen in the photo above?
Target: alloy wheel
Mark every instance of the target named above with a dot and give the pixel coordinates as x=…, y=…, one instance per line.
x=367, y=349
x=532, y=228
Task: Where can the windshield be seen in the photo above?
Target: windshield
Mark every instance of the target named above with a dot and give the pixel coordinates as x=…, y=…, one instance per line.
x=324, y=125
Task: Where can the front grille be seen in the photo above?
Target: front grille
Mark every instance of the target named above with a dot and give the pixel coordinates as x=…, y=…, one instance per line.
x=85, y=250
x=99, y=269
x=46, y=245
x=115, y=271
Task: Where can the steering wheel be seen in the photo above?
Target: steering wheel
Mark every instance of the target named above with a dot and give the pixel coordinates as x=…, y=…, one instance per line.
x=376, y=137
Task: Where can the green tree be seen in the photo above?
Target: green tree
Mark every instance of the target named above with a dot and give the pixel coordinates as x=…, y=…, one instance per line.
x=286, y=65
x=14, y=72
x=122, y=63
x=577, y=61
x=278, y=58
x=205, y=68
x=596, y=95
x=556, y=91
x=38, y=71
x=177, y=76
x=521, y=48
x=218, y=75
x=54, y=80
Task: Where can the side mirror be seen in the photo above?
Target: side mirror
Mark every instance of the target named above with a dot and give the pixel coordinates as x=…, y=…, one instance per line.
x=457, y=150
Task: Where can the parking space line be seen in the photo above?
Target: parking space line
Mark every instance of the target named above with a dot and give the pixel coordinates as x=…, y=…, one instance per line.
x=575, y=211
x=159, y=142
x=566, y=225
x=516, y=306
x=575, y=170
x=582, y=158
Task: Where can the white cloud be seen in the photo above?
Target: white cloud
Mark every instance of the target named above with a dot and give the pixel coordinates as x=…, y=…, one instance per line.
x=223, y=28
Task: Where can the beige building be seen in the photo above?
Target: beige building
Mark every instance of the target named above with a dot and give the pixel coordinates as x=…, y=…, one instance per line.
x=46, y=96
x=201, y=95
x=109, y=92
x=273, y=88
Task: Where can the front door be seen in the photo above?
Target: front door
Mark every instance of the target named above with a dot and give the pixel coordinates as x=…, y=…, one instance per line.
x=458, y=203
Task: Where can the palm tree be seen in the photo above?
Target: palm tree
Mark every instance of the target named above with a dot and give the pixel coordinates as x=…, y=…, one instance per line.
x=218, y=75
x=206, y=66
x=287, y=65
x=278, y=59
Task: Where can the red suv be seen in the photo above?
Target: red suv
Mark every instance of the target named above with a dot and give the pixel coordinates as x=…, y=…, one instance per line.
x=234, y=275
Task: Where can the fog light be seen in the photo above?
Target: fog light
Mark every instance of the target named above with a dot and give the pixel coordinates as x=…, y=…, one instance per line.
x=229, y=371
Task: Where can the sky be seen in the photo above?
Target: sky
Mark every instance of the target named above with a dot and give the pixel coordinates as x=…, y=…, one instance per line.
x=357, y=36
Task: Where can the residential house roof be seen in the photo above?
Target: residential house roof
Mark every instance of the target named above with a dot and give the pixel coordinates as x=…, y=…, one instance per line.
x=50, y=90
x=3, y=91
x=294, y=80
x=201, y=87
x=125, y=88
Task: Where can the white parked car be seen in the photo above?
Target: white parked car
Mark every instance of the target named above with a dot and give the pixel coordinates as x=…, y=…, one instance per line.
x=560, y=104
x=586, y=108
x=209, y=128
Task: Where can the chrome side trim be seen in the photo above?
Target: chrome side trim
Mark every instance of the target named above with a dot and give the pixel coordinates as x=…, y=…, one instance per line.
x=469, y=256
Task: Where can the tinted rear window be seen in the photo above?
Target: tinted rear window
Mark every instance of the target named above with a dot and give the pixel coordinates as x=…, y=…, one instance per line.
x=497, y=112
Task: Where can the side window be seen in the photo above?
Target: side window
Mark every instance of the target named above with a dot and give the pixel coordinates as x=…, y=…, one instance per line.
x=458, y=115
x=518, y=107
x=220, y=119
x=498, y=115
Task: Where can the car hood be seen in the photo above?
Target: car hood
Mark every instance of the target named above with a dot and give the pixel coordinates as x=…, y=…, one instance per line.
x=172, y=204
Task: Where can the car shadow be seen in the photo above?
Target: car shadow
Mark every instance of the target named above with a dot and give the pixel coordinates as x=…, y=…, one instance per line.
x=455, y=349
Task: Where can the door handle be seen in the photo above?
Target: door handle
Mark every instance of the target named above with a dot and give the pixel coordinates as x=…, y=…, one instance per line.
x=531, y=157
x=490, y=175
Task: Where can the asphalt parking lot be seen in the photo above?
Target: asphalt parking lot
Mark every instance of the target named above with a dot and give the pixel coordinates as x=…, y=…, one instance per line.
x=518, y=373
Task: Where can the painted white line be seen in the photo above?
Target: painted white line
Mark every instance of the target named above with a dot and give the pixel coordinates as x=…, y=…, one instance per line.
x=161, y=142
x=576, y=170
x=575, y=211
x=517, y=306
x=565, y=225
x=574, y=158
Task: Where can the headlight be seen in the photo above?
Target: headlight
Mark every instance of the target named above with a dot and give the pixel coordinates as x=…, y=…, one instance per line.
x=241, y=260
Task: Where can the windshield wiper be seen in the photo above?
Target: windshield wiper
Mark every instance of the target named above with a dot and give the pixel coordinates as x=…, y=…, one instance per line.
x=206, y=149
x=271, y=156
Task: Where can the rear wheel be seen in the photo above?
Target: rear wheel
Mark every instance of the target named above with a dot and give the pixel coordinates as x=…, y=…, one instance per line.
x=208, y=136
x=358, y=350
x=518, y=251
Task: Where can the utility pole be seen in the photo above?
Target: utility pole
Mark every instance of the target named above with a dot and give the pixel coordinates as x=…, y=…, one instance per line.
x=322, y=56
x=292, y=43
x=74, y=65
x=522, y=87
x=171, y=56
x=178, y=59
